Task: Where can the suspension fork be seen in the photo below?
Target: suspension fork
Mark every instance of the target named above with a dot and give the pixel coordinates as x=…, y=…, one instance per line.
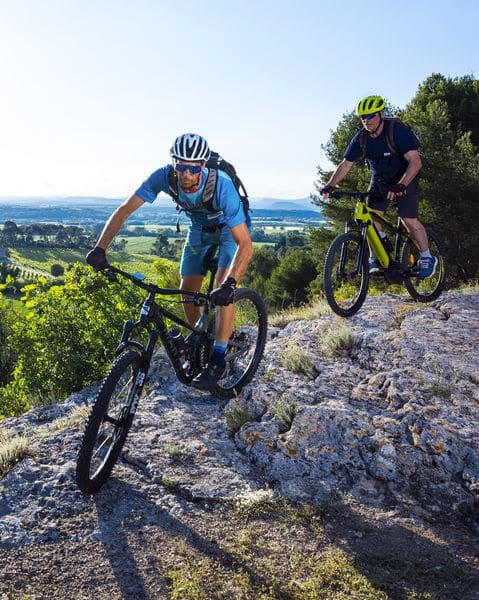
x=398, y=239
x=344, y=249
x=362, y=247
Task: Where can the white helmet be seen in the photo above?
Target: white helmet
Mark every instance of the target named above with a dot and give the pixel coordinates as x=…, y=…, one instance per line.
x=190, y=147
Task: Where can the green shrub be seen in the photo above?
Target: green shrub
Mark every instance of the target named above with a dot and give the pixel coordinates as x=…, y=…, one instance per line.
x=57, y=270
x=67, y=338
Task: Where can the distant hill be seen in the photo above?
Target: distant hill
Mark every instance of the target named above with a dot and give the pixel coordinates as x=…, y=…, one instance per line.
x=88, y=211
x=162, y=200
x=280, y=204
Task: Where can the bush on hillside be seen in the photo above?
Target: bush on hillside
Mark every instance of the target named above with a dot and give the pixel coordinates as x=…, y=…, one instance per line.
x=68, y=337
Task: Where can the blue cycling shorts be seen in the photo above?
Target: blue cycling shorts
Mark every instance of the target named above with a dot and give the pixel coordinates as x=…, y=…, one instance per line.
x=201, y=246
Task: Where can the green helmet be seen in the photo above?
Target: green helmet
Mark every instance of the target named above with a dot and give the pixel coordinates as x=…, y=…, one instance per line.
x=370, y=105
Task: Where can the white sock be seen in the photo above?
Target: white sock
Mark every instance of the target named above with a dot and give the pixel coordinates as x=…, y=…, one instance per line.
x=425, y=254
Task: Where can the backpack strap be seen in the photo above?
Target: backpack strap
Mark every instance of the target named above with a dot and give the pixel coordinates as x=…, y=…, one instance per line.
x=173, y=185
x=363, y=142
x=389, y=123
x=209, y=190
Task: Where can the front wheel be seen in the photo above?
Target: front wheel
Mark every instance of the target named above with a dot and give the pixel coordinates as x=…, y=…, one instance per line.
x=109, y=423
x=245, y=346
x=345, y=280
x=423, y=290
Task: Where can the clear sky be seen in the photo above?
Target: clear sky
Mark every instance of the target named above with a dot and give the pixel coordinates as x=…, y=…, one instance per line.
x=94, y=91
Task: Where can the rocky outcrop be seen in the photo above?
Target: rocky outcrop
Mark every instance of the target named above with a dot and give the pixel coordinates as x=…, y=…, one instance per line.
x=382, y=409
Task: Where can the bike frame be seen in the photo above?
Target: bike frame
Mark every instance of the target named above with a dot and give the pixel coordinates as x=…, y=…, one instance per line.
x=152, y=319
x=364, y=217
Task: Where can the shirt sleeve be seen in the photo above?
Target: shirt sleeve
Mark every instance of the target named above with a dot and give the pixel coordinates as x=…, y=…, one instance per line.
x=157, y=182
x=229, y=201
x=353, y=151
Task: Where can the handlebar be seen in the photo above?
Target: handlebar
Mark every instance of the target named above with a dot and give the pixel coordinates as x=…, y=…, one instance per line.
x=111, y=272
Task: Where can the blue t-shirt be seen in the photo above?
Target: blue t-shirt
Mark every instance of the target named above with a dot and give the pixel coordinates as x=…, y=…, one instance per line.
x=386, y=167
x=226, y=201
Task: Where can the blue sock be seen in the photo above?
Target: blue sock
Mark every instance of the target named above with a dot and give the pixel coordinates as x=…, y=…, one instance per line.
x=219, y=351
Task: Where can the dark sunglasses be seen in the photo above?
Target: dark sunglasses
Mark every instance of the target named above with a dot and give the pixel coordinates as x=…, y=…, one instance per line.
x=368, y=117
x=193, y=169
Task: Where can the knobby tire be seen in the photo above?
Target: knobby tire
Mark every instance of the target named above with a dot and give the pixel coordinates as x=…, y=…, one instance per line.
x=118, y=387
x=345, y=290
x=246, y=344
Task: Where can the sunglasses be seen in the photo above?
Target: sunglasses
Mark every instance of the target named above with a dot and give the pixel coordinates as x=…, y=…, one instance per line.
x=193, y=169
x=368, y=117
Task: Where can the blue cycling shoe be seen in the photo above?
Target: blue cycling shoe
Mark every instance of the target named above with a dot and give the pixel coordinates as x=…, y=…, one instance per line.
x=427, y=267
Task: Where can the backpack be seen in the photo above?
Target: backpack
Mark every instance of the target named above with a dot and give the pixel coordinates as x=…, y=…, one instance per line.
x=389, y=123
x=215, y=163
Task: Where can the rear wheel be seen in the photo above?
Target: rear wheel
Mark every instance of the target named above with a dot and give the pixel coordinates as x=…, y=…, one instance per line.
x=423, y=290
x=245, y=346
x=109, y=423
x=345, y=281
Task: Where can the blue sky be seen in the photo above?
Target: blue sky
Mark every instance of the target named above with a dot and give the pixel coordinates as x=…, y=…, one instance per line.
x=94, y=92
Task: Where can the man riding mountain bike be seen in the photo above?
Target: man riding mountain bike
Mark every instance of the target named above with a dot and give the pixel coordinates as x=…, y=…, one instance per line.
x=394, y=174
x=219, y=225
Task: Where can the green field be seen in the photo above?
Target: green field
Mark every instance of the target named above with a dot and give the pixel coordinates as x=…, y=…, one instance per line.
x=40, y=260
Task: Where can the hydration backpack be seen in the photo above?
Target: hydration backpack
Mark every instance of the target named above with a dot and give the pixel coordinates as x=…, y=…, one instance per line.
x=215, y=163
x=389, y=123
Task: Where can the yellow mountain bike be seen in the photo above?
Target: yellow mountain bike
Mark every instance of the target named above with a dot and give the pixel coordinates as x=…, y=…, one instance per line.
x=346, y=270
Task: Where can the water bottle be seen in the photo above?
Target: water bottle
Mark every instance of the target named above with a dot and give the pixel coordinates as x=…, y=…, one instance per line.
x=178, y=340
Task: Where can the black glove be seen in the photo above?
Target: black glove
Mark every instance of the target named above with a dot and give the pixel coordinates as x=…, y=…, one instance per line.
x=97, y=259
x=399, y=189
x=327, y=189
x=224, y=295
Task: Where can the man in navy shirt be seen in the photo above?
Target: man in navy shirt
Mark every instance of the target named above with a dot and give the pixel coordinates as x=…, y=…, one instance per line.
x=222, y=226
x=394, y=175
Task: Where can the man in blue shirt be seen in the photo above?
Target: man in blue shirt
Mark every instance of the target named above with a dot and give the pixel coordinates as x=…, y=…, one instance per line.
x=222, y=226
x=394, y=175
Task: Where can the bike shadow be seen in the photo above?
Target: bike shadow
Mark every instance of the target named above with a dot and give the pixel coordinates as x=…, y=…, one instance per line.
x=395, y=557
x=126, y=516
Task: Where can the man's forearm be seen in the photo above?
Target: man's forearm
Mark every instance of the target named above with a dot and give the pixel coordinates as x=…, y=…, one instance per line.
x=343, y=169
x=111, y=228
x=116, y=220
x=241, y=260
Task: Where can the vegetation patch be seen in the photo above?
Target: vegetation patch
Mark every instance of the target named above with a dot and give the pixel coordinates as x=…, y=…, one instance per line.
x=339, y=340
x=297, y=360
x=76, y=418
x=178, y=453
x=334, y=575
x=236, y=417
x=315, y=310
x=12, y=450
x=284, y=412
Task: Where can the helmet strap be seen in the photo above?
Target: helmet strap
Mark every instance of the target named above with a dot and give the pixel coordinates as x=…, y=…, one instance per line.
x=381, y=120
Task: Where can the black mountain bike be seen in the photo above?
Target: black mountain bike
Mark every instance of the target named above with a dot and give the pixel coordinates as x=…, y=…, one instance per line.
x=117, y=400
x=346, y=271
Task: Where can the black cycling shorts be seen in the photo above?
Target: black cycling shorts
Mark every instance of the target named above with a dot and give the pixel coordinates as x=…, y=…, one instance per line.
x=407, y=205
